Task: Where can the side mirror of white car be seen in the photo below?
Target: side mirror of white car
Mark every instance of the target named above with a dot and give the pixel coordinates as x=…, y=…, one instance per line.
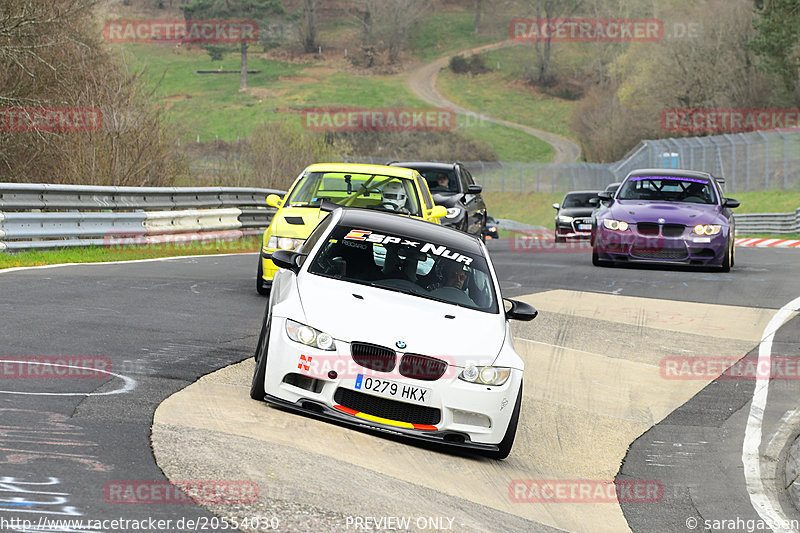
x=520, y=310
x=288, y=259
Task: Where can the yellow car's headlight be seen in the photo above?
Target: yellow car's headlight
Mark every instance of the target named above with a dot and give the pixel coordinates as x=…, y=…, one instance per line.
x=284, y=243
x=708, y=229
x=615, y=225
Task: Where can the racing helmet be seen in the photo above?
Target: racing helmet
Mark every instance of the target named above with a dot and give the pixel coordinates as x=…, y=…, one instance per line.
x=395, y=194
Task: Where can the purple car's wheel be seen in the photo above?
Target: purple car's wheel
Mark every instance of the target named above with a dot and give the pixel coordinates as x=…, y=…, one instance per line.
x=727, y=259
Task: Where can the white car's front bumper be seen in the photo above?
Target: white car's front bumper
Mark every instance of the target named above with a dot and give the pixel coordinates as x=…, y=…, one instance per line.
x=458, y=413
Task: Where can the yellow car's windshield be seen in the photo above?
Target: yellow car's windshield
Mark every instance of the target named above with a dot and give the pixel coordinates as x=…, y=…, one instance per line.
x=372, y=191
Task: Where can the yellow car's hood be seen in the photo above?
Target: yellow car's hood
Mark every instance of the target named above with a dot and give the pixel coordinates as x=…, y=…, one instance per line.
x=296, y=222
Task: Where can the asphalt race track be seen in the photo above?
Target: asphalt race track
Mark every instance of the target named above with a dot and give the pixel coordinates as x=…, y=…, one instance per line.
x=599, y=404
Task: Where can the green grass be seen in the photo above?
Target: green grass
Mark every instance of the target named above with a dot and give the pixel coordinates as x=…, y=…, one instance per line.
x=440, y=33
x=97, y=254
x=491, y=94
x=509, y=144
x=767, y=201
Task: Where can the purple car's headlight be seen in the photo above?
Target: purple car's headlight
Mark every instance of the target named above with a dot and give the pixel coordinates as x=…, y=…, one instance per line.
x=708, y=229
x=615, y=225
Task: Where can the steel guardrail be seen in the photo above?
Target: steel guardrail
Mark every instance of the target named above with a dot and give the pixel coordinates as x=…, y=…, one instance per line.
x=51, y=216
x=748, y=223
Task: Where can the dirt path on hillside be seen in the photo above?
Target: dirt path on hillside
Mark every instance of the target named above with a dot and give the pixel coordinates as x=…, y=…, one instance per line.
x=422, y=81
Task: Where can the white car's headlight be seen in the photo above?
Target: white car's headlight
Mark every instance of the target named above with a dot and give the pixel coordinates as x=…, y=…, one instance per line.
x=708, y=229
x=309, y=336
x=485, y=375
x=565, y=219
x=284, y=243
x=453, y=212
x=615, y=225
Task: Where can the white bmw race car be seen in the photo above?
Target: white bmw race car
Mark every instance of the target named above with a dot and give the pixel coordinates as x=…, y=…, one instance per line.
x=396, y=325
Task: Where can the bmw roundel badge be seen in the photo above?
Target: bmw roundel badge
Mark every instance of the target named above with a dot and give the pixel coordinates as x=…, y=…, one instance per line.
x=400, y=344
x=661, y=220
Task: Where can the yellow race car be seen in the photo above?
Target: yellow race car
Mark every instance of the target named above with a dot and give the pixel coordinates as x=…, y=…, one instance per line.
x=399, y=190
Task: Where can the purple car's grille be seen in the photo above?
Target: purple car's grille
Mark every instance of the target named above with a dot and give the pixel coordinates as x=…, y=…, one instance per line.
x=385, y=408
x=659, y=253
x=647, y=228
x=373, y=357
x=673, y=230
x=422, y=367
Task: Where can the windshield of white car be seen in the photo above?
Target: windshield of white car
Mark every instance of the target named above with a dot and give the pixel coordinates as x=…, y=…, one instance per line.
x=371, y=191
x=580, y=199
x=405, y=264
x=668, y=189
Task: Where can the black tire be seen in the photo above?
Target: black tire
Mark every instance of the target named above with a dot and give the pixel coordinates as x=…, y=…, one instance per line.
x=260, y=288
x=257, y=391
x=596, y=261
x=727, y=259
x=560, y=239
x=504, y=448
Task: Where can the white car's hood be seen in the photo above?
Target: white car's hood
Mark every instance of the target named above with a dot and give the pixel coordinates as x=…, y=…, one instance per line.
x=385, y=318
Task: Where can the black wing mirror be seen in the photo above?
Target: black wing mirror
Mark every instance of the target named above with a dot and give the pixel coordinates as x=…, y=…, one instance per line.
x=730, y=202
x=474, y=189
x=520, y=310
x=287, y=259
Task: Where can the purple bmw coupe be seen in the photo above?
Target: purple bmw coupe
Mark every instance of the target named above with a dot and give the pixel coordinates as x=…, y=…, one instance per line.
x=665, y=216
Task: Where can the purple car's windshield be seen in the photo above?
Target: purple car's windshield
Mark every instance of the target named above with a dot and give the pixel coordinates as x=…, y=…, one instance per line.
x=668, y=189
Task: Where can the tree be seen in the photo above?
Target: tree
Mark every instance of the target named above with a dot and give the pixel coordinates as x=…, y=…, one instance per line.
x=386, y=24
x=258, y=10
x=308, y=27
x=777, y=41
x=478, y=13
x=546, y=12
x=51, y=57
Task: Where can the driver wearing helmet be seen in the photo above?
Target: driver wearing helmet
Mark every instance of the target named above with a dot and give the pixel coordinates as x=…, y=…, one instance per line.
x=393, y=198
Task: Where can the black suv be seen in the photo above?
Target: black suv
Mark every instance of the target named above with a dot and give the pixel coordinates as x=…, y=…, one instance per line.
x=453, y=187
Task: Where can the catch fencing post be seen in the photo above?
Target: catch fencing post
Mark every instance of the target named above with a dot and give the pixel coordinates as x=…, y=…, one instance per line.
x=766, y=159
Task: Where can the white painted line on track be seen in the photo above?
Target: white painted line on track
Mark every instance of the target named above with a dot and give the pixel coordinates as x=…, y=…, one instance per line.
x=129, y=383
x=764, y=503
x=152, y=260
